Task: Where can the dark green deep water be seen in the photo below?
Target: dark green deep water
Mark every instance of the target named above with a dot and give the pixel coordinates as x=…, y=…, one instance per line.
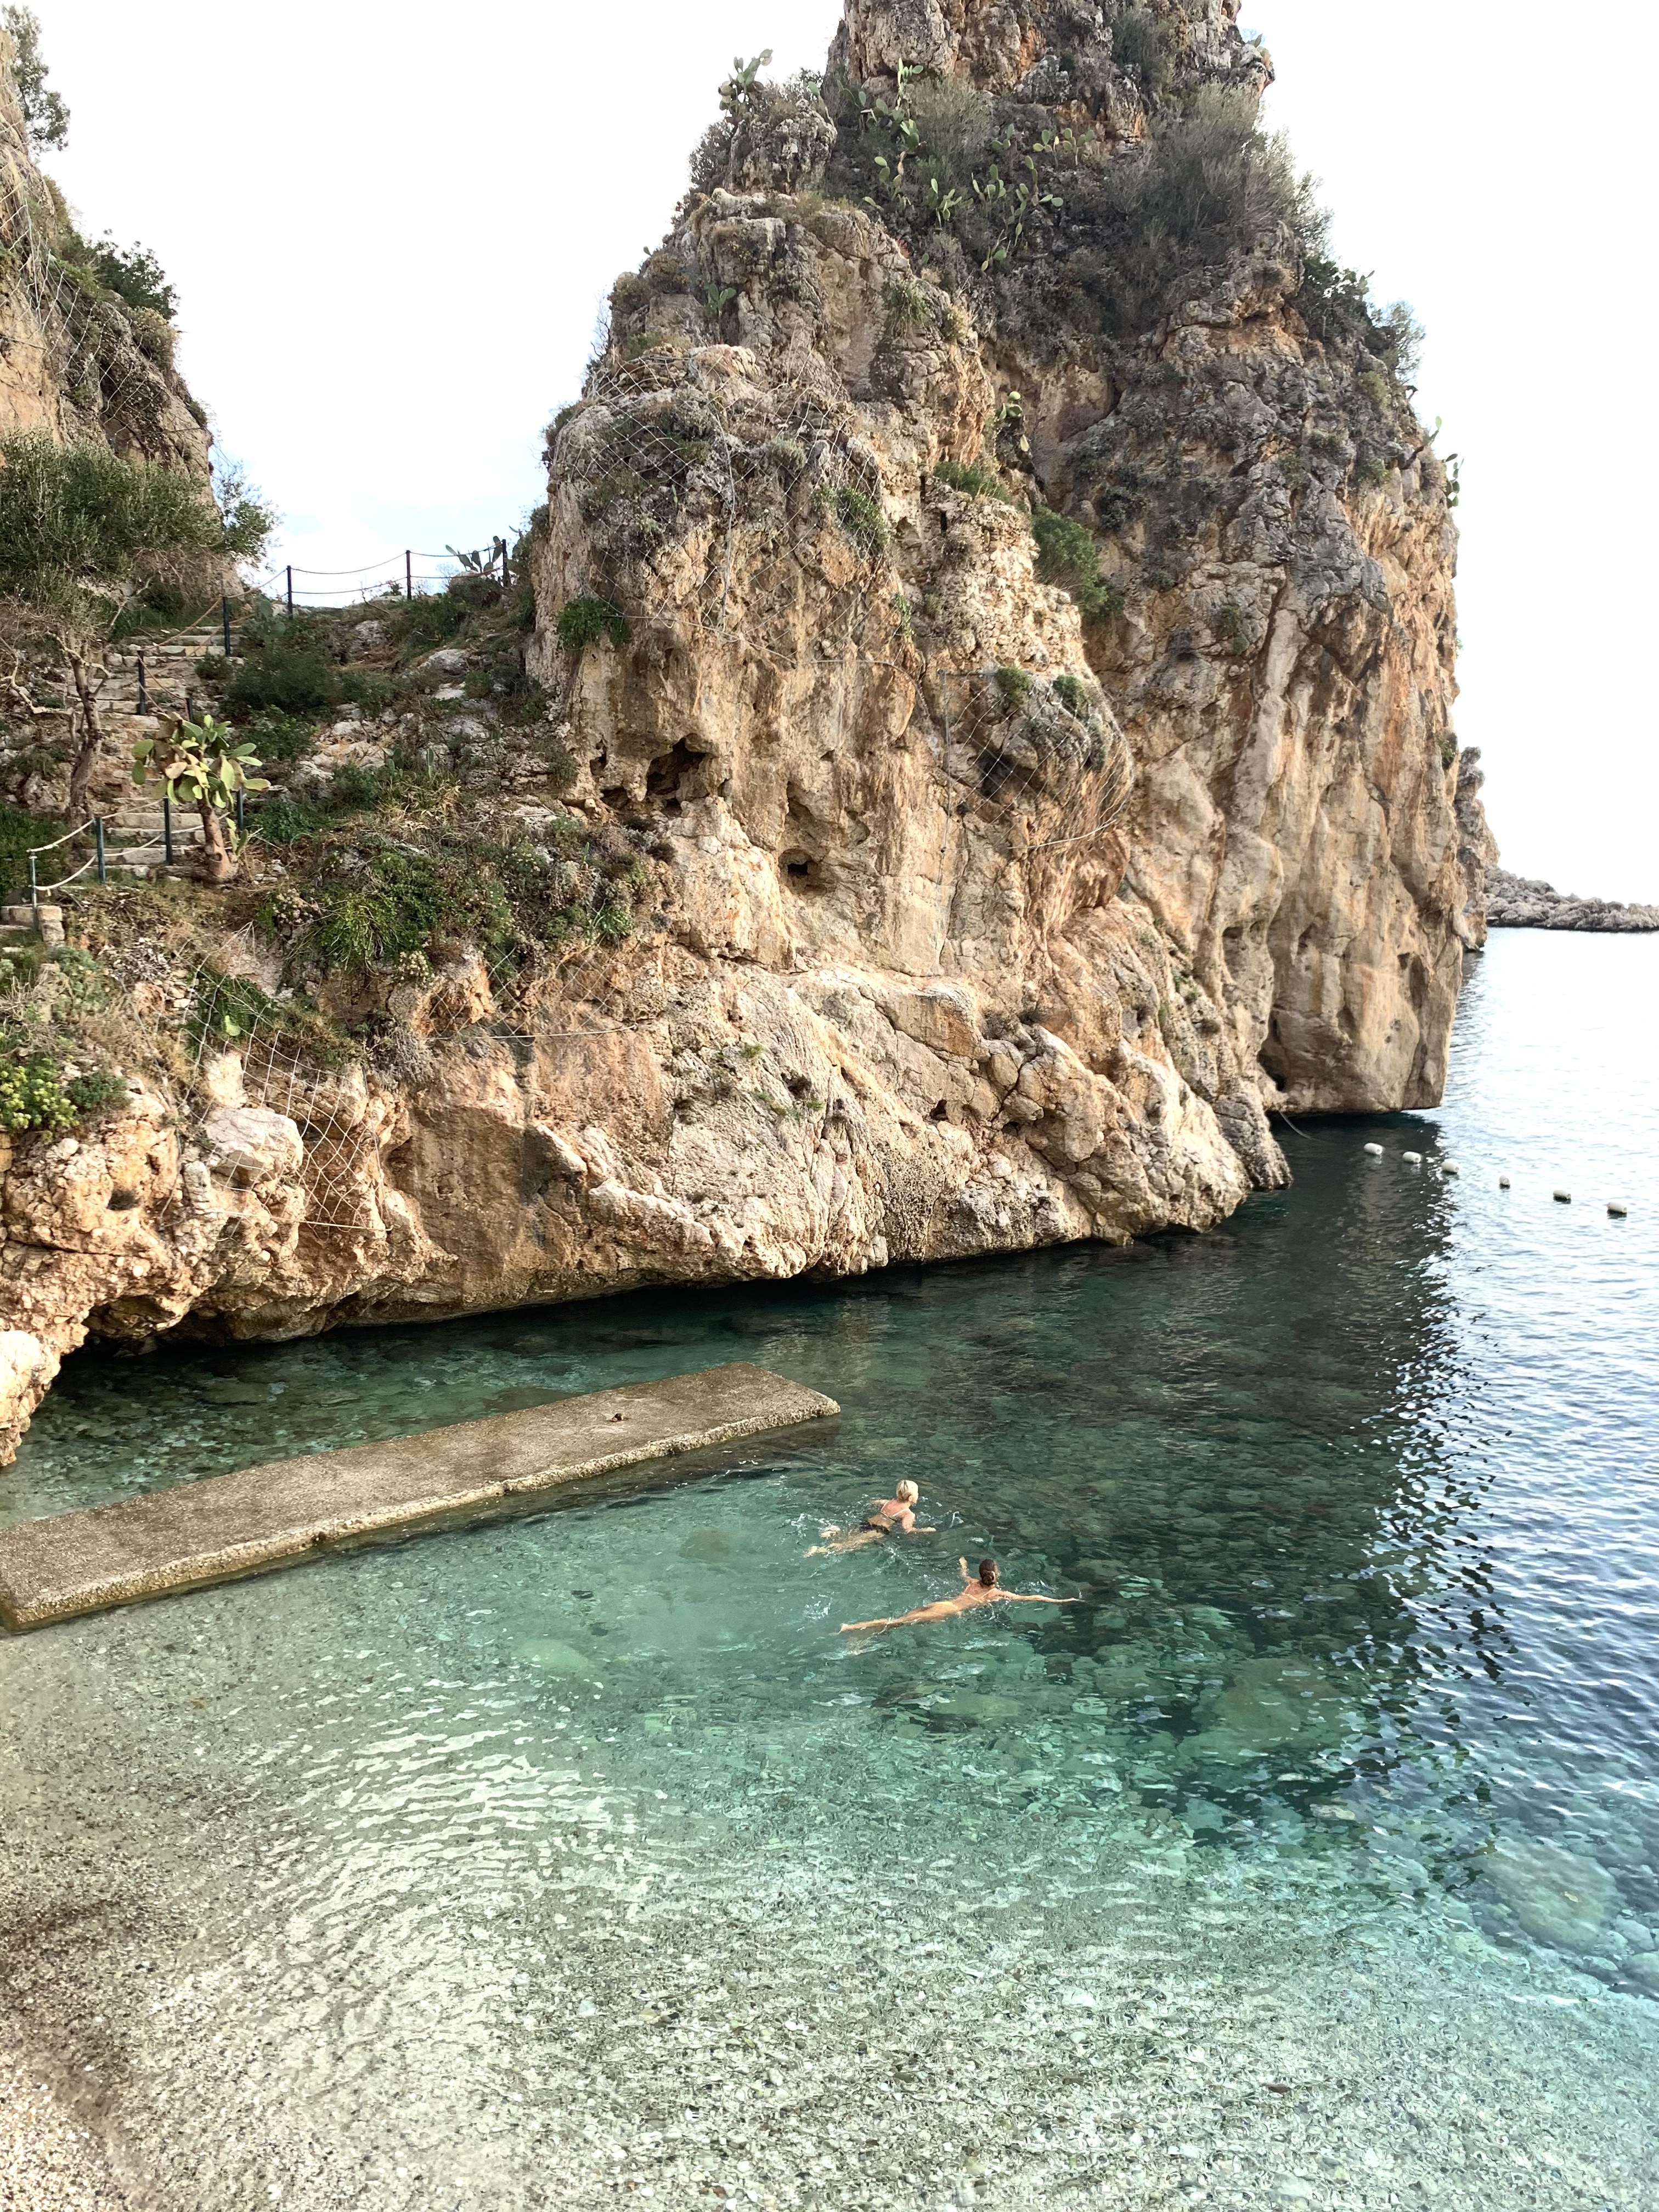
x=576, y=1857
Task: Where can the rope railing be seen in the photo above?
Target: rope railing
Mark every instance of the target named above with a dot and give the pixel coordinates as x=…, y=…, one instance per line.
x=278, y=583
x=95, y=860
x=497, y=557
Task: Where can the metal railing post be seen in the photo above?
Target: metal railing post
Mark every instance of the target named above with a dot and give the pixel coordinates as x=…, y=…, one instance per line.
x=167, y=823
x=408, y=573
x=241, y=815
x=144, y=695
x=34, y=891
x=290, y=590
x=224, y=617
x=99, y=826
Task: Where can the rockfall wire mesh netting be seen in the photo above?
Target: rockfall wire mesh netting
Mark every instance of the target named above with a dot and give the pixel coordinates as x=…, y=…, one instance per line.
x=667, y=468
x=1045, y=752
x=246, y=1048
x=670, y=468
x=112, y=361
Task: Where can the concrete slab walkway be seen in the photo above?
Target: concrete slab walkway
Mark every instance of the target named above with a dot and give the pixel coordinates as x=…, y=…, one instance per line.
x=235, y=1524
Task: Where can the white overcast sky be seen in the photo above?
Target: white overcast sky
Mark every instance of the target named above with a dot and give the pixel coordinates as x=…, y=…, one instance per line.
x=391, y=227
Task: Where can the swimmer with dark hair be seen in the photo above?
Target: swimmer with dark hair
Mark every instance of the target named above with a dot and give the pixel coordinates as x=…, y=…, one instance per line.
x=982, y=1588
x=892, y=1516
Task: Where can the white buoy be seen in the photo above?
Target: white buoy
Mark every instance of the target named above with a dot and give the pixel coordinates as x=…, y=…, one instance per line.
x=1503, y=1182
x=1450, y=1167
x=1413, y=1160
x=1375, y=1151
x=1616, y=1209
x=1564, y=1197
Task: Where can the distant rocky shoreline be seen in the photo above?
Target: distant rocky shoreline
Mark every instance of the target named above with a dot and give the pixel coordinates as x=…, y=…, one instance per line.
x=1524, y=903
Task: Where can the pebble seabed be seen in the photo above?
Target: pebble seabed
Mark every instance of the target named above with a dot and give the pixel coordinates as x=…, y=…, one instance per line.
x=902, y=1943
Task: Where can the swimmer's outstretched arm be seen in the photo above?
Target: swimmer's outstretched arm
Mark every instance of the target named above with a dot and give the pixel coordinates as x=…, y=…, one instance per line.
x=1031, y=1597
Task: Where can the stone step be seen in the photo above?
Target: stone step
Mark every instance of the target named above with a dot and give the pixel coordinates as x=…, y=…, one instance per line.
x=206, y=1531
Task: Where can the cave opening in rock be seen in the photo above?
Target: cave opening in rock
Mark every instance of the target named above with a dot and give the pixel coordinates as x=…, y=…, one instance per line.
x=801, y=872
x=670, y=777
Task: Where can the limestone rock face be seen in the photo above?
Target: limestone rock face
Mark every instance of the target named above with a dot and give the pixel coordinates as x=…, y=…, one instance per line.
x=1277, y=529
x=72, y=364
x=695, y=1118
x=976, y=910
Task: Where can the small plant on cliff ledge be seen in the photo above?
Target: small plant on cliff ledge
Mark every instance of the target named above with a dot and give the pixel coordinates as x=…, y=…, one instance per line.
x=1067, y=557
x=973, y=482
x=584, y=621
x=1073, y=695
x=1138, y=46
x=909, y=307
x=861, y=518
x=97, y=1091
x=1015, y=685
x=32, y=1095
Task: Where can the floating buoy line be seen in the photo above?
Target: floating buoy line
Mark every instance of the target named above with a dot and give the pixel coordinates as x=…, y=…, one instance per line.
x=1617, y=1209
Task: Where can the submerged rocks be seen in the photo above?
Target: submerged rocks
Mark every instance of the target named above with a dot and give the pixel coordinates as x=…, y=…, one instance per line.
x=1559, y=1896
x=1269, y=1704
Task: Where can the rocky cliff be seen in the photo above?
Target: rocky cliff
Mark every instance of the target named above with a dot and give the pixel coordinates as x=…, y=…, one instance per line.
x=983, y=741
x=1528, y=902
x=77, y=360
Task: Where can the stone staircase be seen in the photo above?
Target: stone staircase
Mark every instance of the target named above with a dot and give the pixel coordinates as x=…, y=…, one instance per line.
x=24, y=926
x=135, y=824
x=135, y=842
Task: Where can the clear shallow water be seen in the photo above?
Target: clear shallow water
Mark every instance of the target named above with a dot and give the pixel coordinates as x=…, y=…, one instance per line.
x=1309, y=1857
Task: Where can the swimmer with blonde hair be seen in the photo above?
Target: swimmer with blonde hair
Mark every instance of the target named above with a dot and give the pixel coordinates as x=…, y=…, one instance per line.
x=894, y=1516
x=982, y=1588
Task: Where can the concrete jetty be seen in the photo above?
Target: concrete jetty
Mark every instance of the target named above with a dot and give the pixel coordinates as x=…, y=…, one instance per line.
x=229, y=1525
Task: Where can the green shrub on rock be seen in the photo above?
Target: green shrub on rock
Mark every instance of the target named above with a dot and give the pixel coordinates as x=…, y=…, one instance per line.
x=973, y=482
x=1138, y=46
x=32, y=1095
x=285, y=667
x=1067, y=557
x=584, y=621
x=97, y=1091
x=862, y=519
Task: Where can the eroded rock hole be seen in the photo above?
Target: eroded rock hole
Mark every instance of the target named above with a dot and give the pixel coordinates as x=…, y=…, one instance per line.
x=995, y=773
x=671, y=777
x=801, y=872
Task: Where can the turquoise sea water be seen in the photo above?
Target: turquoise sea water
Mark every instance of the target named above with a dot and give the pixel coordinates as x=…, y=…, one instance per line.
x=1310, y=1856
